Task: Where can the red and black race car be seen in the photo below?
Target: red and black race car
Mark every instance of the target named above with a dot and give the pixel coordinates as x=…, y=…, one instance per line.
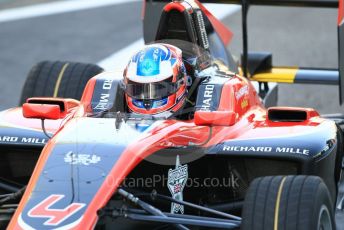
x=228, y=159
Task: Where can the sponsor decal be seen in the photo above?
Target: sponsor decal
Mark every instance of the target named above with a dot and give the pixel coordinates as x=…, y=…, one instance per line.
x=266, y=149
x=242, y=92
x=207, y=97
x=244, y=103
x=29, y=140
x=54, y=216
x=9, y=139
x=176, y=182
x=104, y=99
x=81, y=159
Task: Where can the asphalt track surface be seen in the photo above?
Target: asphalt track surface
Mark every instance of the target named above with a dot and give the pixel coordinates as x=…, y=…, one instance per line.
x=7, y=4
x=296, y=37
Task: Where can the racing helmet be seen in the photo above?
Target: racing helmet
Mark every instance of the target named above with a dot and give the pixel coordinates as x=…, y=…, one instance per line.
x=155, y=80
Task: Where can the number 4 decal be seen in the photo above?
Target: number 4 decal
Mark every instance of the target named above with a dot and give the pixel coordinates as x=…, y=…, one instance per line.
x=56, y=216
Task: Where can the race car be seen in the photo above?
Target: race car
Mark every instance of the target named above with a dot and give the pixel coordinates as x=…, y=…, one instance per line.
x=75, y=157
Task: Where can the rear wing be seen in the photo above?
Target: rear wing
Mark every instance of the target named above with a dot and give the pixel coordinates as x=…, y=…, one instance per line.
x=272, y=74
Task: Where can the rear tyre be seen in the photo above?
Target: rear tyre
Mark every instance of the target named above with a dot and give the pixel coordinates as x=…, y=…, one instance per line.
x=288, y=203
x=58, y=79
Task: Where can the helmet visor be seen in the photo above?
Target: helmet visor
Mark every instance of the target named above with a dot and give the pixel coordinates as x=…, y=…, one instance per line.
x=151, y=91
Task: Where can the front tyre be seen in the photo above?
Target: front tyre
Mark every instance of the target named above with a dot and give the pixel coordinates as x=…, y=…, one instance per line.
x=58, y=79
x=288, y=203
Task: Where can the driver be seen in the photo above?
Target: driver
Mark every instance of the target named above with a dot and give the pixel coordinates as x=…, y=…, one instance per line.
x=155, y=80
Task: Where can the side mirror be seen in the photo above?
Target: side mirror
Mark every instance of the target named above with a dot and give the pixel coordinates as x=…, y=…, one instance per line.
x=48, y=107
x=215, y=118
x=41, y=111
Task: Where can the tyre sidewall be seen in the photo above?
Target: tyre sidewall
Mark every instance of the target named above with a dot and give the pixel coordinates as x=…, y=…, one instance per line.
x=322, y=197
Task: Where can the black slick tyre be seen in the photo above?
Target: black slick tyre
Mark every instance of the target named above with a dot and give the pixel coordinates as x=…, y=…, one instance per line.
x=58, y=79
x=288, y=203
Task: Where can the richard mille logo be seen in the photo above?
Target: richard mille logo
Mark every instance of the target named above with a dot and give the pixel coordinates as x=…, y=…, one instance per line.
x=266, y=149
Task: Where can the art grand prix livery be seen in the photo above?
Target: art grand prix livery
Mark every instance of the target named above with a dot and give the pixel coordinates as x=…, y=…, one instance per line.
x=228, y=158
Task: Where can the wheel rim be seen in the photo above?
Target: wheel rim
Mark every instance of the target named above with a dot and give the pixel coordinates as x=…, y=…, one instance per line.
x=324, y=221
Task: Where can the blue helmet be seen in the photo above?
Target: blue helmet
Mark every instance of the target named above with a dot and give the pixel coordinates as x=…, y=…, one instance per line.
x=155, y=79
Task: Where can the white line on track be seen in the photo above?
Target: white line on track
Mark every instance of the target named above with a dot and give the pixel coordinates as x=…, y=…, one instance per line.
x=118, y=60
x=55, y=8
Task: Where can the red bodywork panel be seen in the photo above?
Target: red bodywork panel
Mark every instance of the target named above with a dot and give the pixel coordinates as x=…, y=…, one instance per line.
x=175, y=6
x=215, y=118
